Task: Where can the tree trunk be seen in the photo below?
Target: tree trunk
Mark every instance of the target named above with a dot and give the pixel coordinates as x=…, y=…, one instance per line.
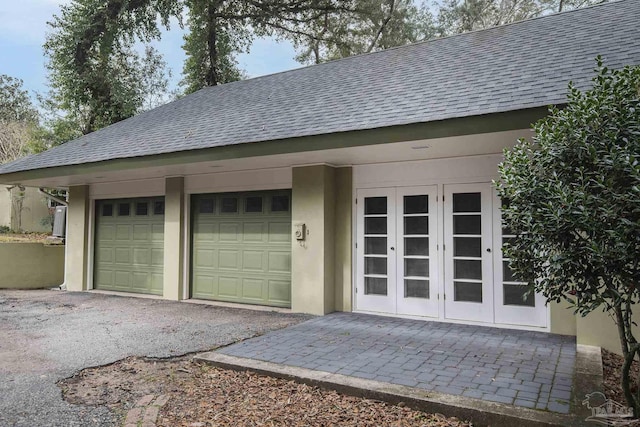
x=626, y=383
x=211, y=78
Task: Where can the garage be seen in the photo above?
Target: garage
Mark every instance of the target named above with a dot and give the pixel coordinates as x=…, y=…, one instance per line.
x=241, y=247
x=129, y=245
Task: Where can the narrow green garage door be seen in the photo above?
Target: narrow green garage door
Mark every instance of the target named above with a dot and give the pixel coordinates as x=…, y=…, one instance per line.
x=241, y=247
x=129, y=245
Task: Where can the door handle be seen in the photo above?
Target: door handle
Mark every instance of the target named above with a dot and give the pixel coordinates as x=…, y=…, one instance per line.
x=392, y=248
x=488, y=249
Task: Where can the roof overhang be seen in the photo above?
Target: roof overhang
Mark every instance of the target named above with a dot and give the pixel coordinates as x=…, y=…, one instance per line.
x=64, y=176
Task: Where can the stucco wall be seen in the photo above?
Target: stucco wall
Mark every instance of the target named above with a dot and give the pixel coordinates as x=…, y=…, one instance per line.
x=599, y=329
x=31, y=265
x=312, y=261
x=343, y=243
x=77, y=259
x=562, y=319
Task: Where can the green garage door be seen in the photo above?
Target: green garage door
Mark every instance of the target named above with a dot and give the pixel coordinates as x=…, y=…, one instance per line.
x=241, y=247
x=129, y=245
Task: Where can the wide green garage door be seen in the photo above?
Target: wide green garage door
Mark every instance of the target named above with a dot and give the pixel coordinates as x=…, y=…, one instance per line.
x=129, y=245
x=241, y=247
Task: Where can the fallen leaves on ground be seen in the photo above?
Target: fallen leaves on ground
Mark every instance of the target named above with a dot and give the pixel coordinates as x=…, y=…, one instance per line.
x=23, y=238
x=201, y=395
x=612, y=372
x=217, y=397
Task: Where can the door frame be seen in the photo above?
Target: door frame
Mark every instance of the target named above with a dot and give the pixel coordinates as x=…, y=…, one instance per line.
x=398, y=175
x=469, y=311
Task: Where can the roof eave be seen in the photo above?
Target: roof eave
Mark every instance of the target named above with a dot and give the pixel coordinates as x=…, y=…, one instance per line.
x=495, y=122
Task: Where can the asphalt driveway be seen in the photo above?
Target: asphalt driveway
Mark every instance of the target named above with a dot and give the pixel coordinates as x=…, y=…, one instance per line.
x=46, y=336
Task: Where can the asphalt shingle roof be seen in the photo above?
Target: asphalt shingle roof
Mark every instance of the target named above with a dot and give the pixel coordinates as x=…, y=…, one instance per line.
x=512, y=67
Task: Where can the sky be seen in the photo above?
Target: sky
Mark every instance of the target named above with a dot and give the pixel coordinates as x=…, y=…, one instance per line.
x=24, y=27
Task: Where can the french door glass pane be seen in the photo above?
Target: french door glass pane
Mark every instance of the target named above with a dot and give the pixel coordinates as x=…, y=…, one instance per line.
x=416, y=225
x=416, y=204
x=375, y=245
x=416, y=267
x=375, y=225
x=467, y=247
x=375, y=285
x=467, y=224
x=507, y=274
x=469, y=292
x=467, y=202
x=375, y=266
x=416, y=288
x=514, y=295
x=375, y=205
x=467, y=269
x=416, y=246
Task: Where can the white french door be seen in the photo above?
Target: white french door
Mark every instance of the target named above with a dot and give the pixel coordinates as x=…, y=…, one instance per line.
x=468, y=252
x=402, y=267
x=514, y=306
x=396, y=251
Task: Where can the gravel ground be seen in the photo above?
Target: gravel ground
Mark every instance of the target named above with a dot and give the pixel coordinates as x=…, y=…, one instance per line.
x=47, y=336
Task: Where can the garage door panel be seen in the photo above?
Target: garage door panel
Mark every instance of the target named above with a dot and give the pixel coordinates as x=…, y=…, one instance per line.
x=228, y=286
x=253, y=261
x=123, y=232
x=141, y=232
x=122, y=279
x=139, y=280
x=279, y=262
x=204, y=258
x=157, y=232
x=229, y=232
x=253, y=289
x=106, y=254
x=228, y=259
x=279, y=291
x=129, y=245
x=206, y=285
x=123, y=256
x=141, y=256
x=203, y=232
x=157, y=283
x=247, y=258
x=252, y=232
x=279, y=232
x=104, y=277
x=108, y=232
x=157, y=258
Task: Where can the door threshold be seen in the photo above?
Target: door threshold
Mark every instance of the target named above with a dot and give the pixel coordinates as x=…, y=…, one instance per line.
x=458, y=322
x=125, y=294
x=253, y=307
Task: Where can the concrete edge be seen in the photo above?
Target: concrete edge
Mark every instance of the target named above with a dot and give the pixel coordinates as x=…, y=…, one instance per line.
x=480, y=412
x=588, y=377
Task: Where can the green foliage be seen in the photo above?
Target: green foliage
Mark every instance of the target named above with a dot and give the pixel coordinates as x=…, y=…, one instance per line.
x=460, y=16
x=211, y=47
x=96, y=76
x=18, y=119
x=574, y=201
x=371, y=25
x=15, y=103
x=4, y=229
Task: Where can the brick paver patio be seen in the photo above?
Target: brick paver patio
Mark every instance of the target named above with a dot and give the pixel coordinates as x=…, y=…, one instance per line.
x=522, y=368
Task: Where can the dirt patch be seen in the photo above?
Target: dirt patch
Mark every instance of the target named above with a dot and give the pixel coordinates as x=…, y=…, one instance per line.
x=611, y=367
x=201, y=395
x=24, y=238
x=120, y=385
